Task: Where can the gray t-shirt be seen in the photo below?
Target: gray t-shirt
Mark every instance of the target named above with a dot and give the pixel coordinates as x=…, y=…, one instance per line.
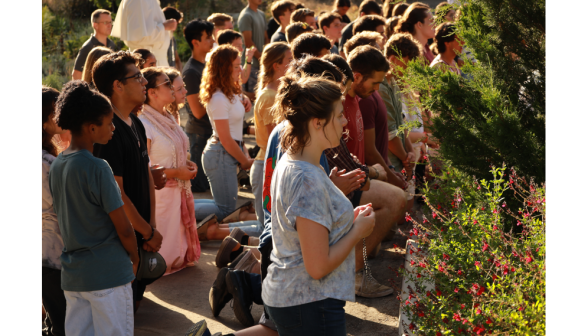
x=84, y=194
x=300, y=189
x=254, y=21
x=87, y=47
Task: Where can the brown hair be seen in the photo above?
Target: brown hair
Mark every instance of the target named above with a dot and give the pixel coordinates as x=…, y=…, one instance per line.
x=112, y=67
x=366, y=60
x=173, y=108
x=49, y=99
x=370, y=7
x=300, y=15
x=369, y=23
x=145, y=53
x=96, y=14
x=218, y=74
x=273, y=53
x=402, y=45
x=151, y=75
x=280, y=7
x=227, y=36
x=416, y=12
x=310, y=43
x=299, y=100
x=93, y=56
x=219, y=19
x=172, y=13
x=296, y=29
x=341, y=3
x=399, y=9
x=364, y=38
x=388, y=8
x=327, y=19
x=444, y=32
x=390, y=25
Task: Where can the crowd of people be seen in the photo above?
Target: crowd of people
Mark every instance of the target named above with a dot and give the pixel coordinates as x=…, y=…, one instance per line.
x=333, y=176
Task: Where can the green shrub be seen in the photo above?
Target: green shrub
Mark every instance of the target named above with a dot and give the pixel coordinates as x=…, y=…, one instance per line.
x=498, y=114
x=486, y=281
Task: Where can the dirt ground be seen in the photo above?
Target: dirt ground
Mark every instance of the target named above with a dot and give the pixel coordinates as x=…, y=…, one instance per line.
x=173, y=303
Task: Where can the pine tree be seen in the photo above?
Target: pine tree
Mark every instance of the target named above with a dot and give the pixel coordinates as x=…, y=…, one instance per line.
x=497, y=114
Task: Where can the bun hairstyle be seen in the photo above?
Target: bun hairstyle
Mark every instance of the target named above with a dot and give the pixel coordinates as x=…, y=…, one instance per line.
x=399, y=9
x=444, y=32
x=299, y=100
x=390, y=25
x=50, y=96
x=415, y=13
x=79, y=104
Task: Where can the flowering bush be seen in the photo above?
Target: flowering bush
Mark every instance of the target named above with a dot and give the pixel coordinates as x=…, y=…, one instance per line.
x=470, y=276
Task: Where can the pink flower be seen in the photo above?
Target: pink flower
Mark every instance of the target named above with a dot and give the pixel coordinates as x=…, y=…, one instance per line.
x=477, y=263
x=408, y=218
x=494, y=227
x=456, y=290
x=445, y=256
x=485, y=246
x=494, y=211
x=456, y=317
x=459, y=272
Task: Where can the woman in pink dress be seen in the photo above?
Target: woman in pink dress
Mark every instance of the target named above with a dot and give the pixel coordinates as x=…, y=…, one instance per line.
x=168, y=145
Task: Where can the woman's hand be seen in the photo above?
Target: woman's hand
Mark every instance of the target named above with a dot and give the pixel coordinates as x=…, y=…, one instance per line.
x=365, y=220
x=249, y=54
x=192, y=165
x=186, y=172
x=247, y=164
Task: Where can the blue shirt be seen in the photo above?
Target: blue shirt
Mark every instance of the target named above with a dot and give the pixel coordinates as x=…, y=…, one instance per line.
x=272, y=156
x=84, y=193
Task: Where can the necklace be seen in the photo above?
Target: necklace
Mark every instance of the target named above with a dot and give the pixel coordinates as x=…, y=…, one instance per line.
x=132, y=126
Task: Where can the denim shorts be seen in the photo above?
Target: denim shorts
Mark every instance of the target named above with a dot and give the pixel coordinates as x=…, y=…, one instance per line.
x=319, y=318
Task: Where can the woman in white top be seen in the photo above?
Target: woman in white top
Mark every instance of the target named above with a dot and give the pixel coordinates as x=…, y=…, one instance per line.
x=168, y=145
x=53, y=299
x=220, y=93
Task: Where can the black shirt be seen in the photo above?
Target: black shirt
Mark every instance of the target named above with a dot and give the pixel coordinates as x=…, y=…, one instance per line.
x=346, y=34
x=345, y=19
x=130, y=161
x=87, y=47
x=192, y=75
x=272, y=26
x=279, y=37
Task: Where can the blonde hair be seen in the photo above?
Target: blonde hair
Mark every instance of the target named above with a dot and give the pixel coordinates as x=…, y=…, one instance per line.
x=218, y=74
x=93, y=56
x=272, y=53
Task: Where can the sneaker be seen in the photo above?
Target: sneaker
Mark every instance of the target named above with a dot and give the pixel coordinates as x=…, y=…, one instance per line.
x=239, y=287
x=198, y=329
x=219, y=296
x=366, y=286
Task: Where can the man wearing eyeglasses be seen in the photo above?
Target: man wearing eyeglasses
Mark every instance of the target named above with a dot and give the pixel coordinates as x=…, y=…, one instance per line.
x=102, y=24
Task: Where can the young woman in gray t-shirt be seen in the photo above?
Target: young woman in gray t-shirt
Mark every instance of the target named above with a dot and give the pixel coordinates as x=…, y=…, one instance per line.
x=314, y=226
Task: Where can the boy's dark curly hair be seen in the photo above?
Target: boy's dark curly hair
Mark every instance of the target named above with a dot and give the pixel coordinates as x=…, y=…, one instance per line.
x=79, y=104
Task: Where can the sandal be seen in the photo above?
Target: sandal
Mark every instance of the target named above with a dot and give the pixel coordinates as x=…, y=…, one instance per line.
x=240, y=236
x=235, y=215
x=202, y=227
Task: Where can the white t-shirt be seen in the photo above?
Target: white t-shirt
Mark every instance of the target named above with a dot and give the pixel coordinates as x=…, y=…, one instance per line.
x=220, y=107
x=161, y=147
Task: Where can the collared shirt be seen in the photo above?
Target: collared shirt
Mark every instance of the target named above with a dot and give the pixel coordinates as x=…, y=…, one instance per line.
x=90, y=44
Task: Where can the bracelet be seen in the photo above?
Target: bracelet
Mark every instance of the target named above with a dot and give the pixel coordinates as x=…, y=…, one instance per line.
x=152, y=234
x=249, y=63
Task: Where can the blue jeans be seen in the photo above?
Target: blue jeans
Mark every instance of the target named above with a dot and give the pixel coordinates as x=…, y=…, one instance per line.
x=221, y=169
x=319, y=318
x=256, y=180
x=197, y=144
x=204, y=207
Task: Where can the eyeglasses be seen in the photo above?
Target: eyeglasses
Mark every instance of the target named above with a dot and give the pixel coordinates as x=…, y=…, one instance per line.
x=168, y=83
x=138, y=77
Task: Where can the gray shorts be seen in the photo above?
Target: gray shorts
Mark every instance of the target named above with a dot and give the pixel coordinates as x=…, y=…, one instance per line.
x=249, y=86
